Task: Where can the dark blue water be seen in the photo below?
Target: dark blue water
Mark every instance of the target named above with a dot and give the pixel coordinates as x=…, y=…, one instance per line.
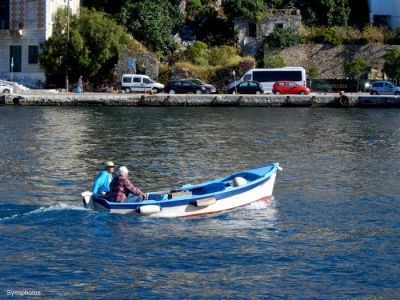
x=331, y=232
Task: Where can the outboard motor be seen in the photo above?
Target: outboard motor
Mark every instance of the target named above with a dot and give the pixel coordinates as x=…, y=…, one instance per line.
x=87, y=200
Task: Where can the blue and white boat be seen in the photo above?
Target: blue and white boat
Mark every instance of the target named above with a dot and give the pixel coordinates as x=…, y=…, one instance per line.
x=236, y=190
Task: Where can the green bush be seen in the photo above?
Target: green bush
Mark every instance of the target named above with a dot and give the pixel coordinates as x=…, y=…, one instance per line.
x=313, y=72
x=282, y=38
x=373, y=34
x=392, y=38
x=223, y=55
x=198, y=53
x=331, y=36
x=272, y=60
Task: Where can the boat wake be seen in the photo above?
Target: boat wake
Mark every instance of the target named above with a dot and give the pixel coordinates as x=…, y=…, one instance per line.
x=43, y=209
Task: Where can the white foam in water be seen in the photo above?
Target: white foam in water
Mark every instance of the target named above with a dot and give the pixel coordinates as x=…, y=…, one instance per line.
x=58, y=206
x=257, y=205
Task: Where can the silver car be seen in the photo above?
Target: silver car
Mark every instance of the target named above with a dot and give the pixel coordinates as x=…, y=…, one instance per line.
x=5, y=89
x=383, y=87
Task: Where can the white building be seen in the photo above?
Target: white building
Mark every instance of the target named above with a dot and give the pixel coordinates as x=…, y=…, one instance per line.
x=385, y=13
x=24, y=27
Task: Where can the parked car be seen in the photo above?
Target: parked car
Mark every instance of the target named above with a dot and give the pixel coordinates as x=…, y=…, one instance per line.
x=140, y=83
x=289, y=87
x=184, y=86
x=247, y=87
x=209, y=87
x=6, y=89
x=383, y=87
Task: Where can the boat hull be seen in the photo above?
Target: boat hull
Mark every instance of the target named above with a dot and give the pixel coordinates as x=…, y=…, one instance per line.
x=200, y=203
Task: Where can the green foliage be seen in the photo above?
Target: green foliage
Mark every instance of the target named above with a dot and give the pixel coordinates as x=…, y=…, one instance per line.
x=198, y=53
x=373, y=34
x=356, y=67
x=326, y=12
x=243, y=8
x=331, y=36
x=213, y=28
x=392, y=63
x=392, y=37
x=272, y=60
x=152, y=22
x=313, y=72
x=282, y=38
x=94, y=42
x=346, y=35
x=224, y=56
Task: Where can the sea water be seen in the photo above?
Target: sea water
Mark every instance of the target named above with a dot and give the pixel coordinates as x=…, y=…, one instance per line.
x=332, y=230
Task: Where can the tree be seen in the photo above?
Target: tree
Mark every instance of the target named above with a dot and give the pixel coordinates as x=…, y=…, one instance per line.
x=152, y=22
x=391, y=66
x=249, y=9
x=313, y=73
x=92, y=49
x=356, y=68
x=326, y=12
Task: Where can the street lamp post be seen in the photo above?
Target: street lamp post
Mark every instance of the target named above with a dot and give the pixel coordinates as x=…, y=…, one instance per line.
x=12, y=67
x=66, y=51
x=234, y=78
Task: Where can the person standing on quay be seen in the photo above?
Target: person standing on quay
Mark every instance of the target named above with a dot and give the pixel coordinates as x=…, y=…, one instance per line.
x=80, y=84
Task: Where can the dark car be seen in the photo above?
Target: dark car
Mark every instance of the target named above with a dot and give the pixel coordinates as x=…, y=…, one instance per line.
x=184, y=86
x=209, y=87
x=247, y=87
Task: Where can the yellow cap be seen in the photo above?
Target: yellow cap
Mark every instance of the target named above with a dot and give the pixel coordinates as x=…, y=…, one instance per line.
x=109, y=164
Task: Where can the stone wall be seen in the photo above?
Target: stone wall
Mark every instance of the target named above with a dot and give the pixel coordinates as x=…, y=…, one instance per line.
x=137, y=63
x=330, y=61
x=250, y=34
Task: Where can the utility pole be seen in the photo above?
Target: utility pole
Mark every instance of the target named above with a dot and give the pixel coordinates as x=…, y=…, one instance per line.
x=66, y=51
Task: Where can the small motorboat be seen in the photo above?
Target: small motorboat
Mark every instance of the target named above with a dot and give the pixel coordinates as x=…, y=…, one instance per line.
x=236, y=190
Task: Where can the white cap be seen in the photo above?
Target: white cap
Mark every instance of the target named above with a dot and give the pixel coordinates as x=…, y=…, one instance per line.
x=123, y=171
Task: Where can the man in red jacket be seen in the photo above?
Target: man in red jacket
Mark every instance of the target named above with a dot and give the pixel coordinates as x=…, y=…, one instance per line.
x=121, y=187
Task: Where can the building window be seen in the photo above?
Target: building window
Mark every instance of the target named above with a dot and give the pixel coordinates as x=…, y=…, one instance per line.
x=15, y=58
x=278, y=26
x=382, y=20
x=33, y=55
x=252, y=30
x=4, y=14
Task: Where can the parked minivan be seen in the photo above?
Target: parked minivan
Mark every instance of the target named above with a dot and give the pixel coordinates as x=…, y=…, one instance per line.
x=140, y=83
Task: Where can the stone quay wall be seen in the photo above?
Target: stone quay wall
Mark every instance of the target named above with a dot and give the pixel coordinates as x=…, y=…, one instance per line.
x=104, y=99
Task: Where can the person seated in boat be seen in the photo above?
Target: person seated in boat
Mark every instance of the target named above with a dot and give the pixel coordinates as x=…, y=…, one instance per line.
x=121, y=187
x=102, y=183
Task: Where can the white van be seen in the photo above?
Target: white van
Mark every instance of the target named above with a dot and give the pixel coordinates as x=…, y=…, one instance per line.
x=140, y=83
x=267, y=77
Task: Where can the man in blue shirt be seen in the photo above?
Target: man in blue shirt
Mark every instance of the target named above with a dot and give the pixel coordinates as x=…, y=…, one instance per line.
x=102, y=183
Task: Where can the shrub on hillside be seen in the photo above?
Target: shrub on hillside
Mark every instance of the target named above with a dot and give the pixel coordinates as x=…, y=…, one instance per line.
x=198, y=53
x=282, y=38
x=373, y=34
x=392, y=37
x=272, y=60
x=223, y=55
